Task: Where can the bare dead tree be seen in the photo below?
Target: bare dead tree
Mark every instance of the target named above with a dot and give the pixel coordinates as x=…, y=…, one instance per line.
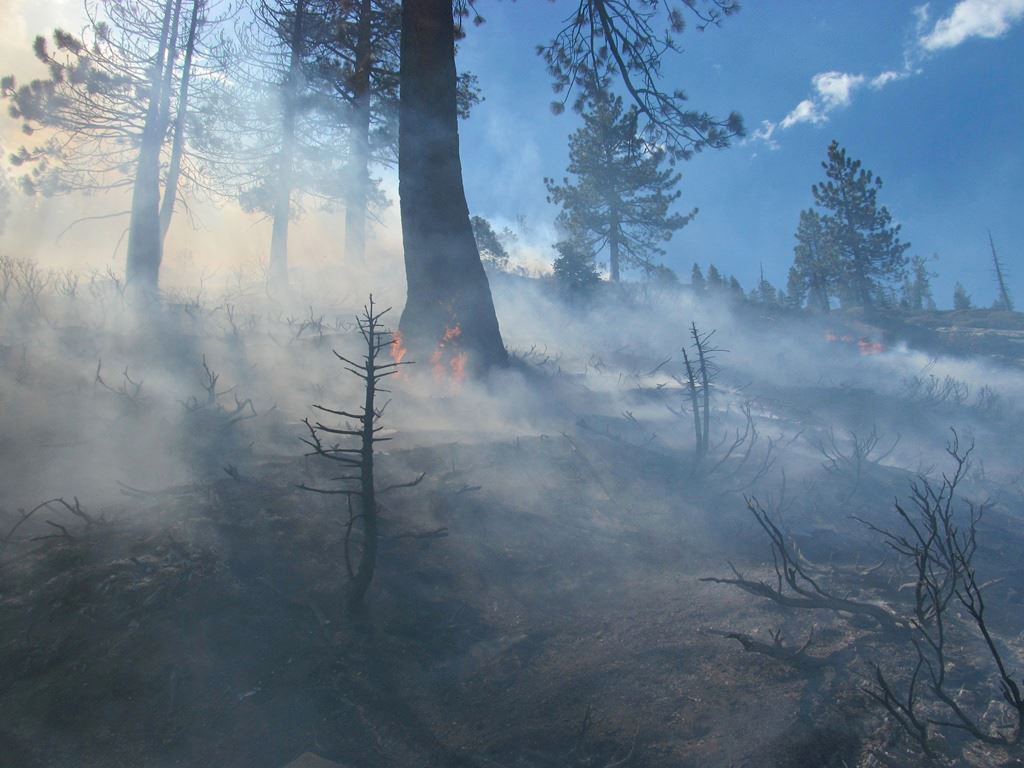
x=933, y=391
x=944, y=627
x=700, y=371
x=860, y=452
x=357, y=461
x=794, y=585
x=128, y=392
x=1004, y=301
x=242, y=410
x=941, y=543
x=56, y=504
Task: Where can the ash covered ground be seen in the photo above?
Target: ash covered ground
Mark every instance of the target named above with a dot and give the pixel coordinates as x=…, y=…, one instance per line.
x=538, y=598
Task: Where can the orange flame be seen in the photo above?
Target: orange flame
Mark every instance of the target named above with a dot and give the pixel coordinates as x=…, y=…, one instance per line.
x=865, y=346
x=868, y=347
x=398, y=348
x=458, y=365
x=448, y=362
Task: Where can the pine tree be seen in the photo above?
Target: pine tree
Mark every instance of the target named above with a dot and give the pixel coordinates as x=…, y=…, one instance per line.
x=796, y=289
x=917, y=293
x=961, y=298
x=619, y=201
x=574, y=268
x=715, y=280
x=697, y=279
x=814, y=263
x=867, y=247
x=492, y=252
x=735, y=288
x=765, y=292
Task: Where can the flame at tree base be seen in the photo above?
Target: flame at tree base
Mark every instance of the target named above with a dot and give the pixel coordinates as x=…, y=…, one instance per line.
x=448, y=362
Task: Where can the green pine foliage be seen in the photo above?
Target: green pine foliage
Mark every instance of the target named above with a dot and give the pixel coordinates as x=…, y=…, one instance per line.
x=815, y=268
x=619, y=195
x=869, y=254
x=492, y=251
x=961, y=298
x=697, y=279
x=575, y=272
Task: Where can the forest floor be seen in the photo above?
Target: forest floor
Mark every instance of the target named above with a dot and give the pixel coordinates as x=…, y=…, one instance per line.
x=565, y=632
x=537, y=604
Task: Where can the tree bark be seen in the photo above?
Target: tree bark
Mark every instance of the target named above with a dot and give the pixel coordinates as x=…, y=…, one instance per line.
x=278, y=270
x=142, y=269
x=178, y=142
x=357, y=194
x=449, y=299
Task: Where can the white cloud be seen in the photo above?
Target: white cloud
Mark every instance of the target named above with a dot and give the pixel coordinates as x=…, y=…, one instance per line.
x=834, y=88
x=764, y=132
x=889, y=76
x=804, y=112
x=972, y=18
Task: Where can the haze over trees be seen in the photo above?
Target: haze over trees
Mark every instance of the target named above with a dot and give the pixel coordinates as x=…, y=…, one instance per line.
x=116, y=107
x=505, y=544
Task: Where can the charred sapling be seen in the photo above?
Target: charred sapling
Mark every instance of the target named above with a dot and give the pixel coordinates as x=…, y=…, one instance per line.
x=700, y=371
x=955, y=687
x=352, y=446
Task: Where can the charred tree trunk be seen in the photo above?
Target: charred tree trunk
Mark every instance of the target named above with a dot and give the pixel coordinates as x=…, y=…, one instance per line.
x=145, y=250
x=449, y=297
x=698, y=432
x=359, y=163
x=698, y=341
x=178, y=142
x=367, y=491
x=278, y=270
x=1005, y=302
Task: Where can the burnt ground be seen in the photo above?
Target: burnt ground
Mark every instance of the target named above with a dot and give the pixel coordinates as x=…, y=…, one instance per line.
x=564, y=631
x=537, y=604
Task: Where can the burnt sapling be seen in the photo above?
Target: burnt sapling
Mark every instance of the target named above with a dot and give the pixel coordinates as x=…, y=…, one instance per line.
x=356, y=456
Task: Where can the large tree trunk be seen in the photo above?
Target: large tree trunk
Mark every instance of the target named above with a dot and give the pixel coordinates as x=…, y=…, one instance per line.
x=178, y=142
x=449, y=308
x=357, y=194
x=142, y=270
x=278, y=271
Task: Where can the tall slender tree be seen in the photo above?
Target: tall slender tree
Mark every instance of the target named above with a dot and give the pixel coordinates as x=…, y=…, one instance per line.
x=1003, y=300
x=866, y=243
x=276, y=140
x=620, y=199
x=116, y=106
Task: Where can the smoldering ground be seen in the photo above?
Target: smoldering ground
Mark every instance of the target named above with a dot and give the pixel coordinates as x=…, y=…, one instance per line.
x=537, y=598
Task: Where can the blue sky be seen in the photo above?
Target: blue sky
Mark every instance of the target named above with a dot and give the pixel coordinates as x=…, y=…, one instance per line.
x=943, y=128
